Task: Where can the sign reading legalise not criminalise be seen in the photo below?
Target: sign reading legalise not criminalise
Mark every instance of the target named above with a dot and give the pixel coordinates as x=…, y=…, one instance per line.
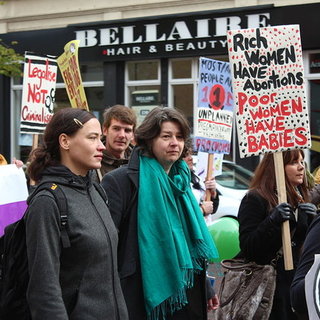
x=38, y=93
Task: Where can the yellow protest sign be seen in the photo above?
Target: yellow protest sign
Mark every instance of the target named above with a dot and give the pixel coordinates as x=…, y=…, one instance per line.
x=69, y=67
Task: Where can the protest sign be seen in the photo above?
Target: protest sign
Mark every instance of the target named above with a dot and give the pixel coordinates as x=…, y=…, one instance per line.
x=13, y=195
x=38, y=93
x=69, y=67
x=269, y=89
x=214, y=116
x=270, y=99
x=201, y=165
x=312, y=289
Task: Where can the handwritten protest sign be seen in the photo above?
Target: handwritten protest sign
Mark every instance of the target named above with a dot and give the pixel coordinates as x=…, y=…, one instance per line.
x=38, y=93
x=269, y=89
x=213, y=123
x=69, y=67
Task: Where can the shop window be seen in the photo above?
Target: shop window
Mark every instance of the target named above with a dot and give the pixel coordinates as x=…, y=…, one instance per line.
x=314, y=62
x=143, y=70
x=314, y=86
x=142, y=86
x=183, y=81
x=183, y=99
x=91, y=72
x=181, y=69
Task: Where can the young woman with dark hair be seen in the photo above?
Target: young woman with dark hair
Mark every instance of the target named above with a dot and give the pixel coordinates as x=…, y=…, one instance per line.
x=261, y=217
x=80, y=281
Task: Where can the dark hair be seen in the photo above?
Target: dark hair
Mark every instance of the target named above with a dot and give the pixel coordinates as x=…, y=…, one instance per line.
x=68, y=121
x=120, y=113
x=150, y=128
x=264, y=180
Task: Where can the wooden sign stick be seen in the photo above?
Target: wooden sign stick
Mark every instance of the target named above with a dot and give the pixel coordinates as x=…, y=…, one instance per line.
x=209, y=174
x=282, y=197
x=35, y=142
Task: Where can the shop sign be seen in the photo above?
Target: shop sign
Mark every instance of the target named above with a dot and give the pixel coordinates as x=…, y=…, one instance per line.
x=204, y=33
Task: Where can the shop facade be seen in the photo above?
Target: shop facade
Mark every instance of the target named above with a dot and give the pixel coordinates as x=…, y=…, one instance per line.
x=148, y=61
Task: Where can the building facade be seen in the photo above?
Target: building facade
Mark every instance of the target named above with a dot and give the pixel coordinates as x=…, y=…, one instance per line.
x=144, y=53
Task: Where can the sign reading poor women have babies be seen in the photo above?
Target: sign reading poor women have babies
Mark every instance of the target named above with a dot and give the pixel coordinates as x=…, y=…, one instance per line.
x=269, y=89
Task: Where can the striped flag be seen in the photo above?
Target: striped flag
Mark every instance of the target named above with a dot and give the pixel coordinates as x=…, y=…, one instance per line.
x=13, y=195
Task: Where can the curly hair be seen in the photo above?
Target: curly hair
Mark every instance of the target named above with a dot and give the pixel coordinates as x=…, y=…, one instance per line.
x=150, y=128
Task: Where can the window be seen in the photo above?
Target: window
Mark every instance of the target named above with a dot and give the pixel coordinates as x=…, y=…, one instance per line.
x=312, y=76
x=142, y=86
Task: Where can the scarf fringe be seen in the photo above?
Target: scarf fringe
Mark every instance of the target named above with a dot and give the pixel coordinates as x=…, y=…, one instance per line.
x=177, y=301
x=200, y=255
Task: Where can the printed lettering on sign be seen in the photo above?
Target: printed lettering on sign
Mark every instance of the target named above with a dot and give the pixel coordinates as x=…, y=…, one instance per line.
x=214, y=117
x=269, y=89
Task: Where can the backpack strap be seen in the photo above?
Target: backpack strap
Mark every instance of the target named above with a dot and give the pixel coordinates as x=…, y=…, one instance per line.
x=61, y=201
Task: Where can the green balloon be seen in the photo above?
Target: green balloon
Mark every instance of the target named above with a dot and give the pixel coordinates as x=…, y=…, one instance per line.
x=225, y=234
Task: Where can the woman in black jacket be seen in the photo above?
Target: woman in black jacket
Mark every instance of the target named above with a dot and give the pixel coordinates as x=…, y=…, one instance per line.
x=163, y=239
x=261, y=217
x=80, y=281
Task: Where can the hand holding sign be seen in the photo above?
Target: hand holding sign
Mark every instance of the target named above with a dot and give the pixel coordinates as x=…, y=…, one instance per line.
x=271, y=112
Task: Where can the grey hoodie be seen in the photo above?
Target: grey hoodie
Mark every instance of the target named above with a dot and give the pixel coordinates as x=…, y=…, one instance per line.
x=80, y=282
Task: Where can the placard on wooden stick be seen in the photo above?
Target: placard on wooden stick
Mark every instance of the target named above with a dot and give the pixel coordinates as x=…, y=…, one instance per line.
x=270, y=100
x=214, y=115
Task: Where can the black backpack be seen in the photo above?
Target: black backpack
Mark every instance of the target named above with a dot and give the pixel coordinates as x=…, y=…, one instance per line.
x=14, y=276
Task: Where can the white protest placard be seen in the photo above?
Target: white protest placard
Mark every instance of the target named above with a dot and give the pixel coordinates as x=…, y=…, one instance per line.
x=13, y=195
x=202, y=164
x=214, y=116
x=38, y=93
x=269, y=89
x=312, y=289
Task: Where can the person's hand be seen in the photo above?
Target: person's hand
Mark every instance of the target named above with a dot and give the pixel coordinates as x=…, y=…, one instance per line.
x=307, y=212
x=213, y=303
x=211, y=185
x=207, y=207
x=281, y=213
x=307, y=208
x=17, y=162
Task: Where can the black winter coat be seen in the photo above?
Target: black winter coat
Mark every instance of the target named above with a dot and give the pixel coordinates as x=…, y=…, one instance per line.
x=260, y=240
x=80, y=282
x=121, y=186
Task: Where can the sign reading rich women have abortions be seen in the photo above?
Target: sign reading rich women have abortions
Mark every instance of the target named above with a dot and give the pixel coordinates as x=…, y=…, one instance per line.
x=269, y=89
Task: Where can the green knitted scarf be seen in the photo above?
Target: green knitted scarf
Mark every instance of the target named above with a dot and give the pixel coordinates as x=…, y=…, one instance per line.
x=174, y=241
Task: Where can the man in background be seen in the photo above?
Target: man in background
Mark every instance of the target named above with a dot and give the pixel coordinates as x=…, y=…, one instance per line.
x=119, y=123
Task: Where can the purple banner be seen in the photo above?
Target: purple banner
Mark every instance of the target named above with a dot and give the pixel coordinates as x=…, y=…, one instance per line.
x=10, y=213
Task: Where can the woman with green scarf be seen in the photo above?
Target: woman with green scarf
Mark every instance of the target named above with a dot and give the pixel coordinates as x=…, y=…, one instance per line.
x=164, y=243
